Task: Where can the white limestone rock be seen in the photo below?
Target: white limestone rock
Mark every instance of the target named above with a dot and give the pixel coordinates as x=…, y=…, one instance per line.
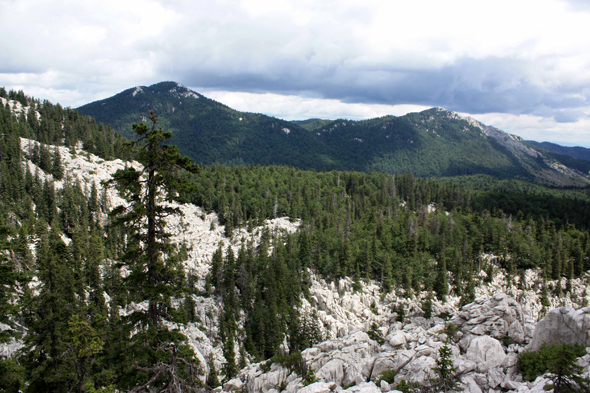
x=497, y=316
x=319, y=387
x=562, y=325
x=486, y=352
x=396, y=339
x=365, y=387
x=470, y=386
x=233, y=385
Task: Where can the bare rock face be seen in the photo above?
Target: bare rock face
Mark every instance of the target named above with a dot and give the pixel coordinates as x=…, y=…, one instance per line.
x=365, y=387
x=498, y=316
x=563, y=325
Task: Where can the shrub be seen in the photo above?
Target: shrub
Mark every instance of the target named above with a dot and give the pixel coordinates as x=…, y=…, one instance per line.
x=451, y=330
x=375, y=334
x=406, y=387
x=556, y=358
x=387, y=376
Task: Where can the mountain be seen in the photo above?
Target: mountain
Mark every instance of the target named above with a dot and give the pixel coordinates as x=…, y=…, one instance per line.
x=432, y=143
x=208, y=131
x=578, y=152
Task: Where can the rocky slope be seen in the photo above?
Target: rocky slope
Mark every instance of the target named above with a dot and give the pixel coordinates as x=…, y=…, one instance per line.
x=490, y=332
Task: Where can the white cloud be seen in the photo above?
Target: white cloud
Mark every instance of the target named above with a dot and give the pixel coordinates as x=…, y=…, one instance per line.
x=526, y=57
x=291, y=107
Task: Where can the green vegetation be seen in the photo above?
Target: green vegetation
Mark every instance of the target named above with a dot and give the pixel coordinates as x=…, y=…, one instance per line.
x=446, y=380
x=375, y=334
x=434, y=142
x=387, y=376
x=549, y=358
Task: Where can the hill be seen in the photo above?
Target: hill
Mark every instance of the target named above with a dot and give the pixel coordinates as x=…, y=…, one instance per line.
x=435, y=142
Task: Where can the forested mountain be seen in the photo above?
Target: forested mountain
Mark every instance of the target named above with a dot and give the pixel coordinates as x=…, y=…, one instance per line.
x=251, y=271
x=579, y=152
x=208, y=131
x=435, y=142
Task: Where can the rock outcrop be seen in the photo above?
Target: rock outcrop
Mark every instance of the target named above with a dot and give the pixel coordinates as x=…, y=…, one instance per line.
x=563, y=325
x=491, y=332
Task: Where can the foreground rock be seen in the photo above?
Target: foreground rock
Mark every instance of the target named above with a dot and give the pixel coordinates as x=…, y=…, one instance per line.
x=490, y=333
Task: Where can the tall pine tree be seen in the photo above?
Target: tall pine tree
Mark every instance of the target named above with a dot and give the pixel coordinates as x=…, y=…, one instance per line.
x=160, y=358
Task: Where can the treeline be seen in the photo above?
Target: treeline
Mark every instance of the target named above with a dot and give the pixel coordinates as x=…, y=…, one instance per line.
x=376, y=223
x=54, y=125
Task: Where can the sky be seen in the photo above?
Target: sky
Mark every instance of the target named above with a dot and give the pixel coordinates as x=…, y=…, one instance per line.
x=520, y=65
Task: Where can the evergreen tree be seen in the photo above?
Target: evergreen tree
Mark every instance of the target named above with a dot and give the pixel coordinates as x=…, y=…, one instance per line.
x=440, y=285
x=160, y=359
x=46, y=316
x=212, y=379
x=45, y=159
x=57, y=169
x=447, y=380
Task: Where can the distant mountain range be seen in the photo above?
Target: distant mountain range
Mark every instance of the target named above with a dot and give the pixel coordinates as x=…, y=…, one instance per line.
x=435, y=142
x=579, y=152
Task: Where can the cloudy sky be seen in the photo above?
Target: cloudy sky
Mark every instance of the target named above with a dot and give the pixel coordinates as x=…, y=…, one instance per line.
x=520, y=65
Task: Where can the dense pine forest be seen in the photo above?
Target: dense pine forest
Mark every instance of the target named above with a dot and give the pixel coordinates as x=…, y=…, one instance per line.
x=65, y=289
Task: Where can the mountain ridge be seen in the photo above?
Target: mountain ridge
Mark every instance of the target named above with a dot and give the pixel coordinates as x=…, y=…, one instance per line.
x=432, y=143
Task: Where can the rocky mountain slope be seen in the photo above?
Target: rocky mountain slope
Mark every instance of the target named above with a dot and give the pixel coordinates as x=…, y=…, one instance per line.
x=435, y=142
x=365, y=332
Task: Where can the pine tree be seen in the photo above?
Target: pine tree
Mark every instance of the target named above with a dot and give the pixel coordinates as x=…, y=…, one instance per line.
x=440, y=285
x=57, y=169
x=160, y=359
x=212, y=379
x=45, y=161
x=447, y=381
x=47, y=315
x=386, y=275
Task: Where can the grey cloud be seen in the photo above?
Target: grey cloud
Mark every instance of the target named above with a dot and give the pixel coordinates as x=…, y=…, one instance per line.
x=578, y=5
x=469, y=85
x=568, y=116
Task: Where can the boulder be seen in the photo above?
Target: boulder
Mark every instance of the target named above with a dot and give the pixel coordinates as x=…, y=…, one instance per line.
x=385, y=361
x=396, y=339
x=403, y=358
x=486, y=352
x=319, y=387
x=497, y=316
x=353, y=375
x=495, y=377
x=470, y=385
x=332, y=371
x=562, y=325
x=365, y=387
x=233, y=384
